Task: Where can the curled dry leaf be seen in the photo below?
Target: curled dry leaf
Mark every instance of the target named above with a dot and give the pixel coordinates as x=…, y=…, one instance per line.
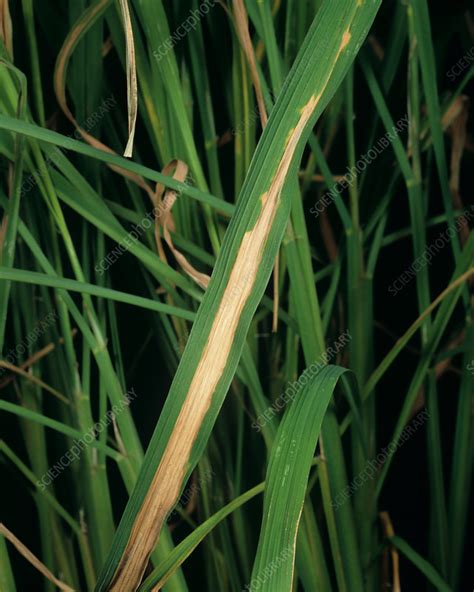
x=164, y=201
x=80, y=28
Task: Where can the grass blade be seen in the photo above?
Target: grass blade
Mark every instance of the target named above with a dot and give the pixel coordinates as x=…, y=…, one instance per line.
x=239, y=278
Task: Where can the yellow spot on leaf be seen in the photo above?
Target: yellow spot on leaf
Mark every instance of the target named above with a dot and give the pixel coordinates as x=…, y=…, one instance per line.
x=345, y=40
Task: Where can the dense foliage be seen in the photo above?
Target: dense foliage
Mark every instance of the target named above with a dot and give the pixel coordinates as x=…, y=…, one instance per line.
x=235, y=306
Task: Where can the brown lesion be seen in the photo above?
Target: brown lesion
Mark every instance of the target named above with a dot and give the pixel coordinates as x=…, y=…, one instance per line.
x=167, y=481
x=346, y=37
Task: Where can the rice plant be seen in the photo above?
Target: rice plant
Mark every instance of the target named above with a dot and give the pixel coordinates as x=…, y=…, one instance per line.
x=237, y=349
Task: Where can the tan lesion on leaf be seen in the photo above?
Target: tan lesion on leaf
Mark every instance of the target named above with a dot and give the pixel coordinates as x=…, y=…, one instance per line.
x=167, y=481
x=346, y=37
